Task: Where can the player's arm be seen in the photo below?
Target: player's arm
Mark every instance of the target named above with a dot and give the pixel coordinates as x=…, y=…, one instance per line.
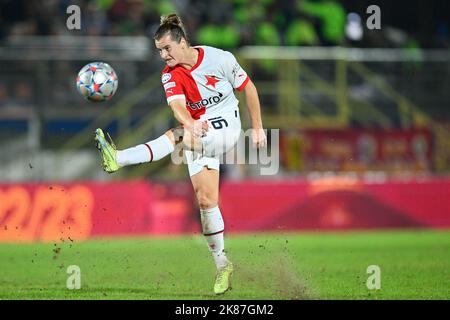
x=254, y=108
x=185, y=119
x=241, y=81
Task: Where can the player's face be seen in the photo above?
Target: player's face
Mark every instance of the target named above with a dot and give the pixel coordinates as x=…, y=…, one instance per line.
x=170, y=51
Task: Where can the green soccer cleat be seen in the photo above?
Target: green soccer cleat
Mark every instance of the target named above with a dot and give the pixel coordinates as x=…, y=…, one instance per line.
x=223, y=279
x=108, y=151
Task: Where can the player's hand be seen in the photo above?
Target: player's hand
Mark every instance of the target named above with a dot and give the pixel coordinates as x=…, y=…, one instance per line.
x=199, y=128
x=259, y=138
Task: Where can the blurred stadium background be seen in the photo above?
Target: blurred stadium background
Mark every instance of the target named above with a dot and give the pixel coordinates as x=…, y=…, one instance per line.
x=364, y=119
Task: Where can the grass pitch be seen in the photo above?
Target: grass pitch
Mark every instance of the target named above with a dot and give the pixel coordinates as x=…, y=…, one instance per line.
x=413, y=264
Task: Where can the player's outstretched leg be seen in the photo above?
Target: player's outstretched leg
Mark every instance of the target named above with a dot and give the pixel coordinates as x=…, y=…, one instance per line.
x=114, y=159
x=151, y=151
x=108, y=151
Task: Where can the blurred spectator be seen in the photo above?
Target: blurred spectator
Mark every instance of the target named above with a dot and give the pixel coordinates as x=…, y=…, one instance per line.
x=22, y=94
x=332, y=18
x=3, y=94
x=225, y=23
x=301, y=32
x=223, y=36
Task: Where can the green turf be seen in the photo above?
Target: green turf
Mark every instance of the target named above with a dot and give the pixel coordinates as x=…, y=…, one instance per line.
x=414, y=265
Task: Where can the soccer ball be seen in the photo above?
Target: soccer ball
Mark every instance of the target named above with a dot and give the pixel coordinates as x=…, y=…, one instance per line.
x=97, y=81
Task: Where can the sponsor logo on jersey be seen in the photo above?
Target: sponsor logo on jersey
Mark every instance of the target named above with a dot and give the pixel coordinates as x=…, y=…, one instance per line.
x=169, y=85
x=166, y=77
x=205, y=102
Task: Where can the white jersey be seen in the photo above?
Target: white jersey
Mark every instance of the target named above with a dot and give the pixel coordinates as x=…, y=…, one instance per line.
x=208, y=87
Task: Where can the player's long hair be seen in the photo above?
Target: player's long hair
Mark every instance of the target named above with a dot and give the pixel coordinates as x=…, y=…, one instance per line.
x=171, y=24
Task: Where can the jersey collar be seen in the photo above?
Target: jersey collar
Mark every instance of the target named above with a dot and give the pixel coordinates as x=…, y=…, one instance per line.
x=201, y=53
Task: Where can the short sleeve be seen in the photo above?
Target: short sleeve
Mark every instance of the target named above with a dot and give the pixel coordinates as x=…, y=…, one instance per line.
x=173, y=86
x=234, y=72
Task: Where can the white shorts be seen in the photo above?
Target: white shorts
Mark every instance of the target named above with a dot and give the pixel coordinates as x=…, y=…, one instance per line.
x=223, y=134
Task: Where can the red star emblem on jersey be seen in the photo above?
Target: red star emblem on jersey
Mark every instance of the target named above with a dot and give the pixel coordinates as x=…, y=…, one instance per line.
x=211, y=81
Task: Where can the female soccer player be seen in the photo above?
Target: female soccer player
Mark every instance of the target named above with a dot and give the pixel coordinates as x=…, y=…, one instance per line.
x=198, y=83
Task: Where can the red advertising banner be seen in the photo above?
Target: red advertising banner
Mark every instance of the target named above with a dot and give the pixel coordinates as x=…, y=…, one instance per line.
x=78, y=211
x=357, y=150
x=68, y=212
x=335, y=204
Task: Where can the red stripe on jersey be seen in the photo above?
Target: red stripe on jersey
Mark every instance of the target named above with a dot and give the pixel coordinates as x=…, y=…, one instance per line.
x=201, y=53
x=185, y=84
x=175, y=81
x=192, y=95
x=242, y=86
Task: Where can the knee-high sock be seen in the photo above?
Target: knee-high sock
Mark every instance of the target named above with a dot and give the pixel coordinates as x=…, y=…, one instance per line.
x=147, y=152
x=213, y=229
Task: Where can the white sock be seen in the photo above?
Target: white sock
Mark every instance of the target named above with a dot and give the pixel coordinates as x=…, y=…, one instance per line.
x=147, y=152
x=213, y=228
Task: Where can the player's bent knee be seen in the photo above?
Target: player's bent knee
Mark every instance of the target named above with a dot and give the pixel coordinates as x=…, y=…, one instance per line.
x=188, y=140
x=175, y=135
